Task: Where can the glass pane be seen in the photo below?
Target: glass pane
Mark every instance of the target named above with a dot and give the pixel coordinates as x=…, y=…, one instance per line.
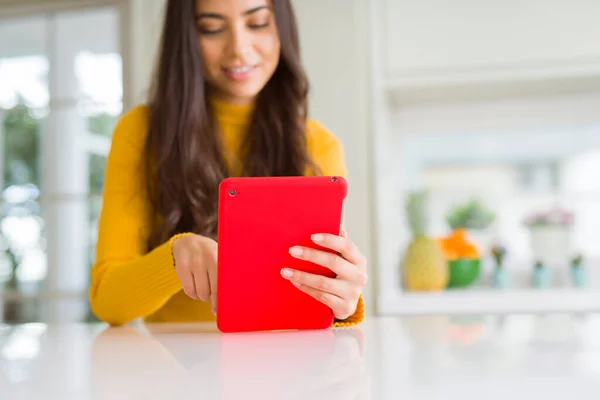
x=24, y=98
x=53, y=157
x=21, y=229
x=101, y=120
x=97, y=166
x=21, y=126
x=89, y=59
x=54, y=231
x=72, y=174
x=24, y=62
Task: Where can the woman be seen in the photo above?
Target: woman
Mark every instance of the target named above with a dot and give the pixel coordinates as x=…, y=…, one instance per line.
x=229, y=98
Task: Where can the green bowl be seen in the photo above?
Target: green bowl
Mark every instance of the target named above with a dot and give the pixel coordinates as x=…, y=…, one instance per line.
x=463, y=272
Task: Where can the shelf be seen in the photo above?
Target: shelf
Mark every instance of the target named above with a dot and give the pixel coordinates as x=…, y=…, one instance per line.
x=479, y=84
x=490, y=302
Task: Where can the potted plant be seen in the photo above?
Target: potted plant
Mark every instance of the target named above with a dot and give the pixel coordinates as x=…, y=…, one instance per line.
x=550, y=235
x=471, y=220
x=577, y=271
x=473, y=215
x=541, y=275
x=463, y=255
x=500, y=276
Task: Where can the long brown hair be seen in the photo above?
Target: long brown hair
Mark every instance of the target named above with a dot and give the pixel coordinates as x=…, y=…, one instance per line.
x=184, y=161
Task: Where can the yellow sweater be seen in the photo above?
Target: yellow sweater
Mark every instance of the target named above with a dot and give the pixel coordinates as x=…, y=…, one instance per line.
x=127, y=282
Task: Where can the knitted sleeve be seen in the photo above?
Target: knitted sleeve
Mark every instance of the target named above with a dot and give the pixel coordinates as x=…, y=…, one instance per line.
x=126, y=283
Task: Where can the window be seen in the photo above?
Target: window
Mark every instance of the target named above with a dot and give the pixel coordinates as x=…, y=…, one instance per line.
x=60, y=97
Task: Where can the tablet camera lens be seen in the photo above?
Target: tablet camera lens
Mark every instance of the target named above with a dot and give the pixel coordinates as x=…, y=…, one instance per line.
x=334, y=179
x=232, y=192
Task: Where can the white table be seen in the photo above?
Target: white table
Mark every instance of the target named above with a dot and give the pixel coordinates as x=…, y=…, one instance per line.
x=512, y=357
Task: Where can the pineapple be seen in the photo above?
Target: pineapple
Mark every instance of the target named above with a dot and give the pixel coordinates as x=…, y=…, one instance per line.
x=424, y=267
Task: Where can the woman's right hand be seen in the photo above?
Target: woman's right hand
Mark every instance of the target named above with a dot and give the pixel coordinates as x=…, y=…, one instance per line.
x=196, y=265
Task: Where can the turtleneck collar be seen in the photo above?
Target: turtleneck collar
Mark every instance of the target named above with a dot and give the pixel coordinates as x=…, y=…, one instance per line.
x=231, y=113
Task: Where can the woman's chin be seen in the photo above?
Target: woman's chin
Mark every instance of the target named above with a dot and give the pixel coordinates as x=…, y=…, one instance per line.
x=241, y=96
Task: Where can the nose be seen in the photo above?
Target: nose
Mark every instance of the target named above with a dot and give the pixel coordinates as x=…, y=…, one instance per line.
x=240, y=43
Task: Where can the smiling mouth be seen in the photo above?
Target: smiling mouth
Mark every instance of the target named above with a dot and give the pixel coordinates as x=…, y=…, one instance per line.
x=240, y=70
x=239, y=74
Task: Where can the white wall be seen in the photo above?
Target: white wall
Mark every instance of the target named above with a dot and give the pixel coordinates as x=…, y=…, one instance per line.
x=437, y=36
x=335, y=50
x=141, y=28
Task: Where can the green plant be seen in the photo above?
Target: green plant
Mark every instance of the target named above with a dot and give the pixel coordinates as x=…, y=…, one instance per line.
x=415, y=212
x=471, y=215
x=498, y=253
x=21, y=143
x=577, y=260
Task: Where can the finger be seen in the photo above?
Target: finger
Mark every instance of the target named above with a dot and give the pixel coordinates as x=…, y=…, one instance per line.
x=344, y=234
x=213, y=301
x=340, y=307
x=340, y=244
x=186, y=277
x=329, y=299
x=212, y=278
x=341, y=267
x=322, y=283
x=189, y=286
x=326, y=259
x=202, y=286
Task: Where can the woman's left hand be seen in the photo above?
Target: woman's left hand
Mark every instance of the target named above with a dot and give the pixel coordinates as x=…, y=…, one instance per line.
x=341, y=293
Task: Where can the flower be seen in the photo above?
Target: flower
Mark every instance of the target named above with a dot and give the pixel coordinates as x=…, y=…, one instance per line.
x=553, y=217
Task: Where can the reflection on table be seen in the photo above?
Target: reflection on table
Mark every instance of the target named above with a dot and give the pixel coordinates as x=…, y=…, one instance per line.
x=197, y=361
x=545, y=356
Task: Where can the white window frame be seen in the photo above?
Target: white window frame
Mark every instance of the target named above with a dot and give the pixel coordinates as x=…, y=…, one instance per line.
x=95, y=144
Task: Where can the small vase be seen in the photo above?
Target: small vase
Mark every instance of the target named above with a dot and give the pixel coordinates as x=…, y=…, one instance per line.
x=541, y=277
x=500, y=277
x=578, y=276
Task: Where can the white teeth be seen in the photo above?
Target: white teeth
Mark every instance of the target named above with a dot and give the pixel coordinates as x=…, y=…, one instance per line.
x=239, y=70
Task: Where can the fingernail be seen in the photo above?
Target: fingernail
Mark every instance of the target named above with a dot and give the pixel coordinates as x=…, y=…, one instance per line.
x=317, y=238
x=296, y=251
x=287, y=273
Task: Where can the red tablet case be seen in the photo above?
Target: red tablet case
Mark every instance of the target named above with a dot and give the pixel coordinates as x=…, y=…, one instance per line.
x=260, y=219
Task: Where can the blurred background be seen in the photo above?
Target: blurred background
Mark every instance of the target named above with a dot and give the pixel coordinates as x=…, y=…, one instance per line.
x=490, y=107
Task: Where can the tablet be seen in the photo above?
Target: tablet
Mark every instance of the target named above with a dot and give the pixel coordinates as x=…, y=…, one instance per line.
x=260, y=219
